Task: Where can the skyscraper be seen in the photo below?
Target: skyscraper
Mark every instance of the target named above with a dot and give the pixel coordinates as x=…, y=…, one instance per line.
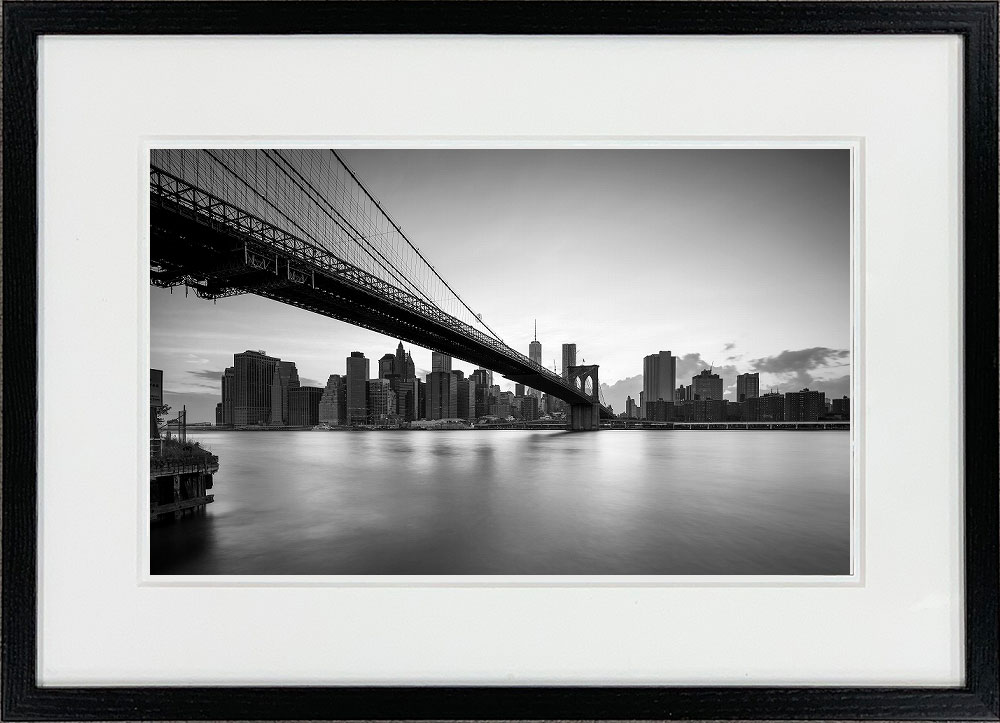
x=333, y=403
x=381, y=402
x=659, y=375
x=228, y=390
x=408, y=399
x=303, y=406
x=535, y=354
x=706, y=385
x=386, y=366
x=568, y=359
x=467, y=399
x=442, y=395
x=400, y=362
x=286, y=378
x=631, y=408
x=409, y=369
x=252, y=377
x=440, y=362
x=747, y=386
x=357, y=388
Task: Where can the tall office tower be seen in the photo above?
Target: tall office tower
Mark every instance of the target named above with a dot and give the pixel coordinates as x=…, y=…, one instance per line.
x=442, y=395
x=804, y=406
x=381, y=402
x=535, y=354
x=659, y=375
x=218, y=414
x=459, y=374
x=631, y=408
x=386, y=366
x=483, y=377
x=440, y=362
x=303, y=406
x=568, y=359
x=357, y=388
x=467, y=399
x=399, y=366
x=254, y=371
x=408, y=394
x=747, y=386
x=228, y=394
x=409, y=369
x=285, y=379
x=333, y=404
x=518, y=390
x=642, y=405
x=706, y=385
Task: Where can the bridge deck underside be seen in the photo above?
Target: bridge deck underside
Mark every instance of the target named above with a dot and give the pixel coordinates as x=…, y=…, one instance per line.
x=184, y=247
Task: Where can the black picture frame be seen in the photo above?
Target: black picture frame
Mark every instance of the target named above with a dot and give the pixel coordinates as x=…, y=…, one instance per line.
x=974, y=22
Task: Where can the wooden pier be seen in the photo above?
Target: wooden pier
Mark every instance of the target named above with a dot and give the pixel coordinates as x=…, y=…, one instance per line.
x=178, y=486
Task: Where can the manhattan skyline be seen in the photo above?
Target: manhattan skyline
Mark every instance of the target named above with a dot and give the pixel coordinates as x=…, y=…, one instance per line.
x=733, y=258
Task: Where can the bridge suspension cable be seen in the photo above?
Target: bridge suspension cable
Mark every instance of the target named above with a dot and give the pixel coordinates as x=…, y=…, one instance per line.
x=314, y=194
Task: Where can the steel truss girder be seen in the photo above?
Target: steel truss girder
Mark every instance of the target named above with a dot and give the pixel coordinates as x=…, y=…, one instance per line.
x=210, y=234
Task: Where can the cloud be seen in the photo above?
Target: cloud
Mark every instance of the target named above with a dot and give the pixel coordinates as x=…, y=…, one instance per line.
x=691, y=365
x=210, y=374
x=792, y=370
x=789, y=362
x=307, y=382
x=729, y=345
x=616, y=393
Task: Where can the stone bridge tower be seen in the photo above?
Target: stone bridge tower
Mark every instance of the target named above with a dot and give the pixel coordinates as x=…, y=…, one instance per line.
x=585, y=417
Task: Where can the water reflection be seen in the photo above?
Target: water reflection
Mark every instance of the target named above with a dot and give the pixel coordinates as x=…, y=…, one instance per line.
x=518, y=503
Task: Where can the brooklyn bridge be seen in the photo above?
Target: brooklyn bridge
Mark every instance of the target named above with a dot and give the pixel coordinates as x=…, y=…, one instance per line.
x=299, y=227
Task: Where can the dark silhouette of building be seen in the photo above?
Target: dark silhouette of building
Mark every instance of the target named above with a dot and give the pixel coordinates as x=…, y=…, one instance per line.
x=769, y=407
x=706, y=385
x=529, y=408
x=568, y=359
x=303, y=406
x=659, y=374
x=410, y=371
x=254, y=372
x=286, y=378
x=804, y=406
x=841, y=407
x=218, y=414
x=467, y=399
x=386, y=366
x=440, y=362
x=535, y=354
x=381, y=402
x=409, y=399
x=357, y=388
x=228, y=395
x=747, y=386
x=399, y=363
x=442, y=395
x=333, y=403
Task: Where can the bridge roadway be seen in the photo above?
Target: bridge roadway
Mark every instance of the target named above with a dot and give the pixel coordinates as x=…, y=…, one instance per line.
x=219, y=250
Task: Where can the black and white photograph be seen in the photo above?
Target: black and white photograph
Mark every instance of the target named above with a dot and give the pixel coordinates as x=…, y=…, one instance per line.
x=506, y=361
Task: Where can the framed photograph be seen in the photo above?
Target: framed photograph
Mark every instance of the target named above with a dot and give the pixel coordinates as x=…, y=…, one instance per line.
x=548, y=360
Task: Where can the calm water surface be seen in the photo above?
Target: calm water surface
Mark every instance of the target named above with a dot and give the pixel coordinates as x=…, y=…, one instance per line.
x=518, y=503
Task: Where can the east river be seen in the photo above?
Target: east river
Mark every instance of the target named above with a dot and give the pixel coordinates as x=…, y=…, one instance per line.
x=518, y=503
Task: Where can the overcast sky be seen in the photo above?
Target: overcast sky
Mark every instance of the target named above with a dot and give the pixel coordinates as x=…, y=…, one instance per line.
x=739, y=258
